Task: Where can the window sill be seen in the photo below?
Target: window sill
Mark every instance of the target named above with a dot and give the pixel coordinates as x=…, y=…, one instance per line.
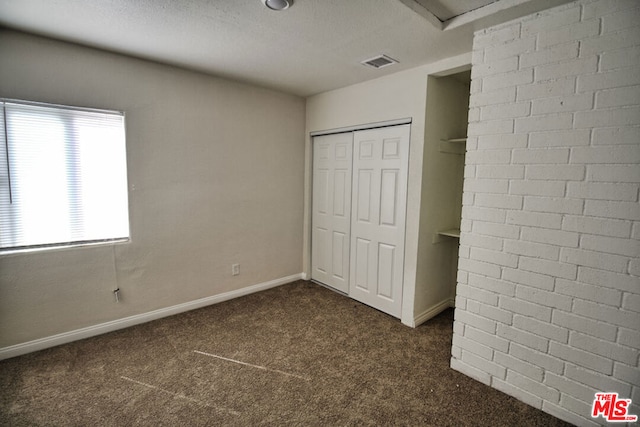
x=47, y=248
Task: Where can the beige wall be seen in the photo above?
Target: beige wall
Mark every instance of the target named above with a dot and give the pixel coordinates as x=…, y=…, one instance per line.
x=397, y=96
x=216, y=171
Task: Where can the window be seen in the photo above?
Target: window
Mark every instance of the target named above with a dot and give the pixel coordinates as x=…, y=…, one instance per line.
x=63, y=176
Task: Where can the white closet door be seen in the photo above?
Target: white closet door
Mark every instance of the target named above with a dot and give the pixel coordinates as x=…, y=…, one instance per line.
x=380, y=166
x=331, y=210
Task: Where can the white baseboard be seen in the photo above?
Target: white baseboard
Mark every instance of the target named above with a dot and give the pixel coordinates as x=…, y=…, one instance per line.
x=433, y=311
x=78, y=334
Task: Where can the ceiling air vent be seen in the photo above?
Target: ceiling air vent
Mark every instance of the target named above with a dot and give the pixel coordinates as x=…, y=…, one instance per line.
x=380, y=61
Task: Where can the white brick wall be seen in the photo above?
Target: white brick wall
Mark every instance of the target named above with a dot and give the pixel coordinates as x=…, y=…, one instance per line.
x=548, y=302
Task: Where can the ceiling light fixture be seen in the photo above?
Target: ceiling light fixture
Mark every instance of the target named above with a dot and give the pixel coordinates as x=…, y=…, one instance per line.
x=277, y=4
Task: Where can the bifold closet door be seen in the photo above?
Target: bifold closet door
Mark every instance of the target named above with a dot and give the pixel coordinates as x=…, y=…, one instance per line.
x=331, y=210
x=380, y=169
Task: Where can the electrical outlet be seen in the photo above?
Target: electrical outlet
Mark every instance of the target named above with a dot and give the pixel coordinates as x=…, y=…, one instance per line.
x=235, y=269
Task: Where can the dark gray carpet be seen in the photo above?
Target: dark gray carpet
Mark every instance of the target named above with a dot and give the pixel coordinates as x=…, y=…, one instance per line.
x=298, y=354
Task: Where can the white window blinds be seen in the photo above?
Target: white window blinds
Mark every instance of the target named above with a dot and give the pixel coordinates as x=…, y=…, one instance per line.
x=63, y=176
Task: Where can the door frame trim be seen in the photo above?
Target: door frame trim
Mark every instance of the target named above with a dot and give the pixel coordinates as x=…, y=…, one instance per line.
x=366, y=126
x=352, y=129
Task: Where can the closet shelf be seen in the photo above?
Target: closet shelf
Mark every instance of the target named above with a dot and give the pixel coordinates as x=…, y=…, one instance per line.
x=453, y=146
x=454, y=232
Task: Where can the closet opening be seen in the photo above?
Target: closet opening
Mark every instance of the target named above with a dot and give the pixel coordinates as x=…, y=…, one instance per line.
x=446, y=120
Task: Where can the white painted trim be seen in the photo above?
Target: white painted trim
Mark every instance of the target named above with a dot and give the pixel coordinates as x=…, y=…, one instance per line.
x=433, y=311
x=424, y=12
x=499, y=12
x=366, y=126
x=450, y=71
x=481, y=12
x=78, y=334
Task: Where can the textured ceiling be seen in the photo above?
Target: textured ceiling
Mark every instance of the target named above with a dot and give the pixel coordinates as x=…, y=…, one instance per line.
x=314, y=46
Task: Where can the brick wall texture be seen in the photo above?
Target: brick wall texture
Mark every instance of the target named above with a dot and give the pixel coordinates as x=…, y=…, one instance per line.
x=548, y=296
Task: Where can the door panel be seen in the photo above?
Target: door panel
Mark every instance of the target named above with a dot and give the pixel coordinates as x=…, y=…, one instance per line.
x=340, y=267
x=321, y=191
x=388, y=197
x=331, y=210
x=362, y=264
x=386, y=256
x=340, y=203
x=321, y=255
x=363, y=206
x=381, y=161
